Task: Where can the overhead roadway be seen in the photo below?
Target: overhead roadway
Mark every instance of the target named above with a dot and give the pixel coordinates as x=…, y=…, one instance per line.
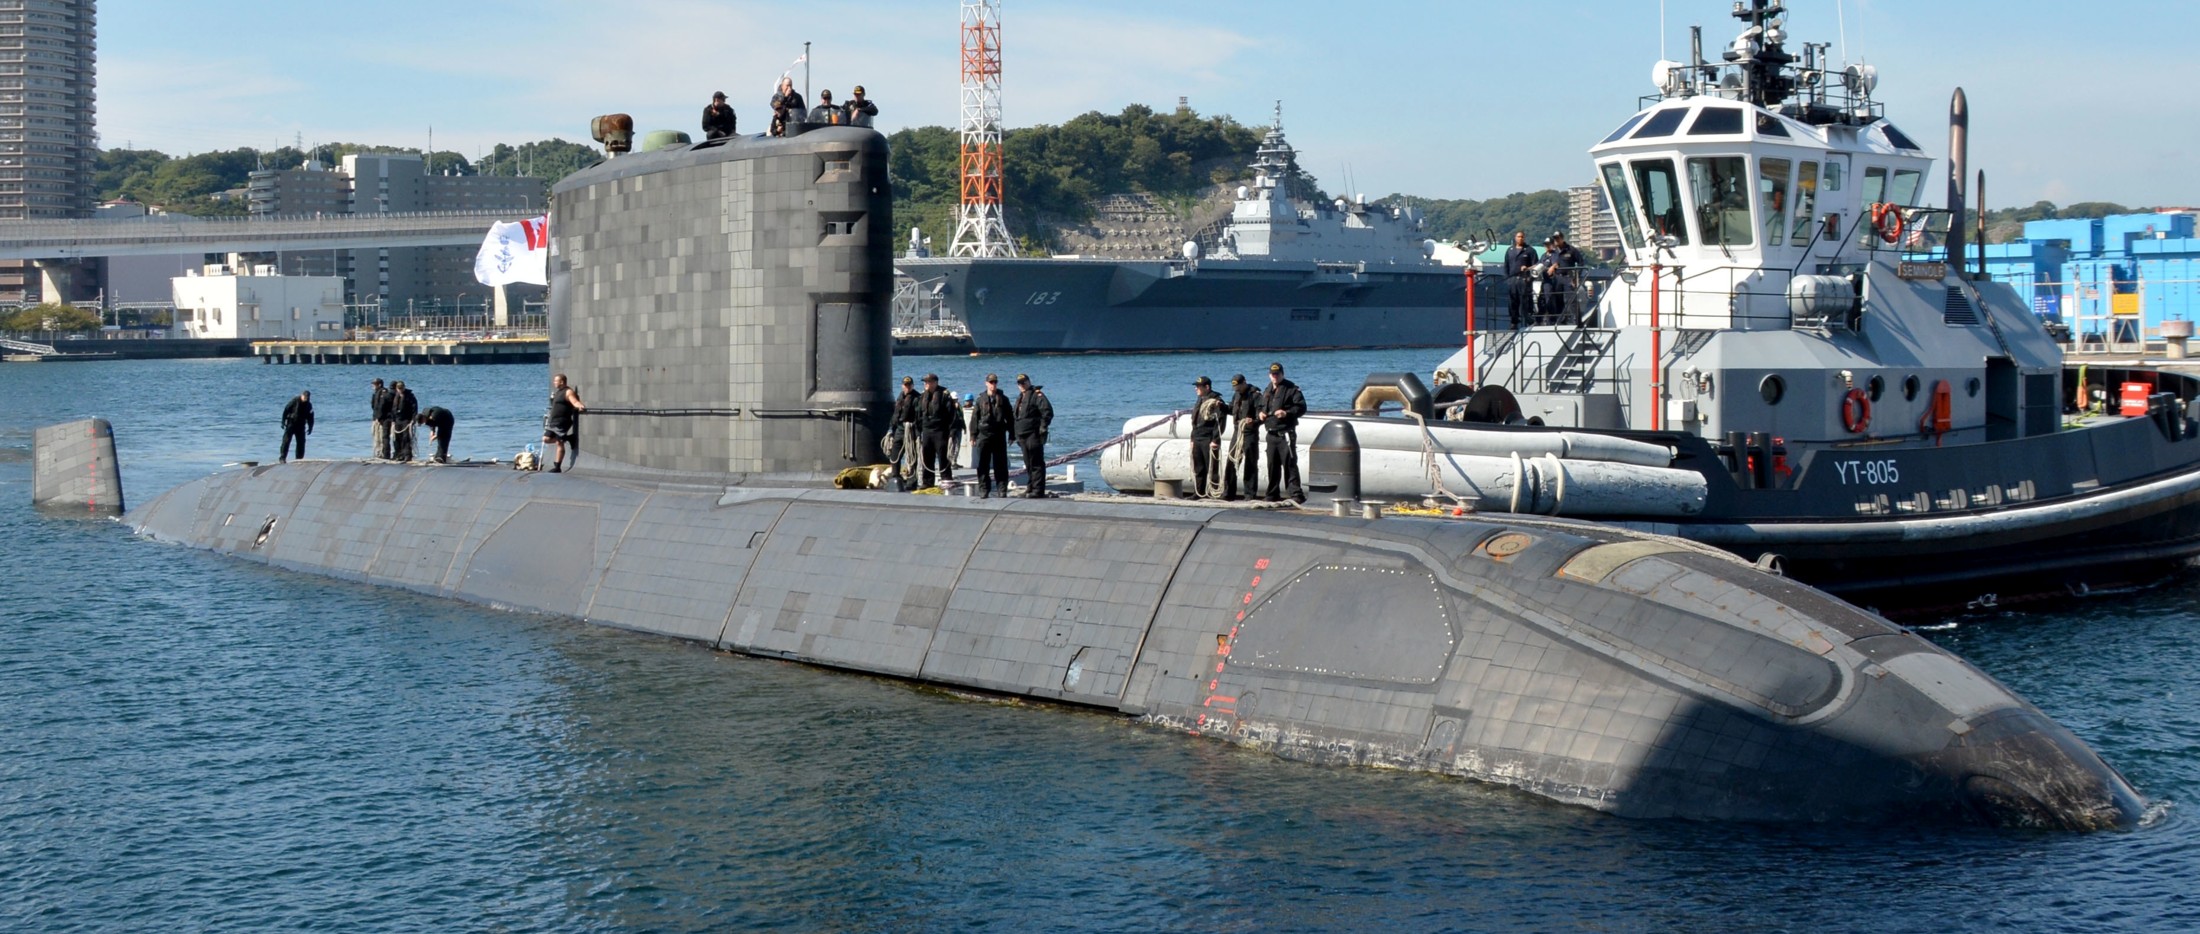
x=170, y=234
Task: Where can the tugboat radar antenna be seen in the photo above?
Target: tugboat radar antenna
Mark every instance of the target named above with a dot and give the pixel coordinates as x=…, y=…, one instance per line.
x=1761, y=54
x=980, y=227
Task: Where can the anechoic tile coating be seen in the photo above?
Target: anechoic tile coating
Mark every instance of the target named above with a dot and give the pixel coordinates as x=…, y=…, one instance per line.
x=751, y=274
x=1394, y=642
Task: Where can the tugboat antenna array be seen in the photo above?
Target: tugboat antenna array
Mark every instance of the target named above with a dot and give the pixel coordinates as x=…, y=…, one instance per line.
x=980, y=229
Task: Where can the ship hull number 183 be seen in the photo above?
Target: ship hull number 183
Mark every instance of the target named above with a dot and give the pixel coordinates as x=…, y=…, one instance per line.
x=1868, y=472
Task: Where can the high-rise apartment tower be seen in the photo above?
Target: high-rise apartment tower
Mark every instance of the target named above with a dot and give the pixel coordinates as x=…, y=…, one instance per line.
x=48, y=140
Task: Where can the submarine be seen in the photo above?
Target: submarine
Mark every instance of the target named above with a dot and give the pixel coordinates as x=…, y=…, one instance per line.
x=726, y=304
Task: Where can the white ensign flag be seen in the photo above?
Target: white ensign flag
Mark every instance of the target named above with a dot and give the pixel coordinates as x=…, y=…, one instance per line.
x=515, y=251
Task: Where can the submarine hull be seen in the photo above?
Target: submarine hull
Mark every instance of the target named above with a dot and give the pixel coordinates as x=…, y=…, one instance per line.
x=1630, y=673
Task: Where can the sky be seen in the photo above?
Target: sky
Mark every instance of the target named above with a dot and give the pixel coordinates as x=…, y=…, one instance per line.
x=1444, y=99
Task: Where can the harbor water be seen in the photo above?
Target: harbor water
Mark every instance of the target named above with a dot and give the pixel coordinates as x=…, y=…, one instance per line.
x=196, y=743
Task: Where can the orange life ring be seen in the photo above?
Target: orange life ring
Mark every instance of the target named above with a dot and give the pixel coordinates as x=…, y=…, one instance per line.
x=1888, y=219
x=1856, y=411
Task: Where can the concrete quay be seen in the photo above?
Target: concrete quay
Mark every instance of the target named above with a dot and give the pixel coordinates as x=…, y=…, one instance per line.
x=406, y=352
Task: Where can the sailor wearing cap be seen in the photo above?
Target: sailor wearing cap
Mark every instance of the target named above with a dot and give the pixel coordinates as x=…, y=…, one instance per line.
x=859, y=109
x=991, y=419
x=1034, y=415
x=1209, y=413
x=717, y=118
x=1283, y=404
x=902, y=446
x=1561, y=271
x=1519, y=279
x=936, y=413
x=826, y=112
x=1244, y=439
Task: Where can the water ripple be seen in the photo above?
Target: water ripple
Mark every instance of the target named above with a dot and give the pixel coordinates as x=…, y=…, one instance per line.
x=194, y=743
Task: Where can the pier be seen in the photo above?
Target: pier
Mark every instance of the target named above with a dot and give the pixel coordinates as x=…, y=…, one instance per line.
x=521, y=349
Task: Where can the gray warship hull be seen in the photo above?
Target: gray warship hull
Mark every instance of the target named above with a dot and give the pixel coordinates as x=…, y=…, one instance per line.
x=1595, y=666
x=1017, y=305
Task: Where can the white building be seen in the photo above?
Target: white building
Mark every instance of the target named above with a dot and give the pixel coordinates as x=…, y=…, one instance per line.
x=260, y=306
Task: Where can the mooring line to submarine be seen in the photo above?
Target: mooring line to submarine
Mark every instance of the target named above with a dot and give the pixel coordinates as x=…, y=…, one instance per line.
x=1091, y=449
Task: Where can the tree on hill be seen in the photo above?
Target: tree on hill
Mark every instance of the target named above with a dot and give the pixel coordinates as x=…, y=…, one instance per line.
x=1059, y=171
x=2004, y=225
x=1536, y=213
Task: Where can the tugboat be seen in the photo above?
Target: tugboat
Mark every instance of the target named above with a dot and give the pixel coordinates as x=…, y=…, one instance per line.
x=1795, y=365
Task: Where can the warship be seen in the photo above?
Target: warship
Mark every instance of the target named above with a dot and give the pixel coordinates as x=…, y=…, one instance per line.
x=727, y=304
x=1797, y=365
x=1283, y=272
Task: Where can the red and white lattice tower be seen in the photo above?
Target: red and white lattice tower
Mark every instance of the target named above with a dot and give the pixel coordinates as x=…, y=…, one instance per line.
x=979, y=227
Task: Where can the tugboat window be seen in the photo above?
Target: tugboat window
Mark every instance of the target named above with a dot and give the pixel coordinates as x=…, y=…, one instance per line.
x=1897, y=138
x=1716, y=121
x=1772, y=186
x=1970, y=388
x=1806, y=199
x=1909, y=389
x=1877, y=387
x=1769, y=125
x=1833, y=176
x=1904, y=190
x=1773, y=389
x=1624, y=127
x=1875, y=184
x=1662, y=123
x=1721, y=188
x=1623, y=204
x=1661, y=198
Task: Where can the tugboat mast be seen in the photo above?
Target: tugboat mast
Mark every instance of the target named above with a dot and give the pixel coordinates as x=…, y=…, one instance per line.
x=1761, y=55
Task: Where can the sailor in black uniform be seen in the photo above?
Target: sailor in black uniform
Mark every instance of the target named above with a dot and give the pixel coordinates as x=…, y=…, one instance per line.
x=1561, y=271
x=297, y=423
x=859, y=109
x=787, y=104
x=718, y=119
x=438, y=420
x=826, y=112
x=905, y=435
x=375, y=404
x=1245, y=443
x=935, y=411
x=561, y=425
x=1209, y=413
x=1281, y=406
x=405, y=408
x=385, y=420
x=1520, y=279
x=992, y=418
x=1034, y=415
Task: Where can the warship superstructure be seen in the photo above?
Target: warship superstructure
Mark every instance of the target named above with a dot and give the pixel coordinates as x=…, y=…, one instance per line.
x=1802, y=367
x=726, y=303
x=1283, y=273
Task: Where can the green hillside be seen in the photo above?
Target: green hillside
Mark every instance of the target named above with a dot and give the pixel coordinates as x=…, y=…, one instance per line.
x=1052, y=172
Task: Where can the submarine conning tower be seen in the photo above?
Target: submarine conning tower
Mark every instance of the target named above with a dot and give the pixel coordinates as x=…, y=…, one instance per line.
x=723, y=306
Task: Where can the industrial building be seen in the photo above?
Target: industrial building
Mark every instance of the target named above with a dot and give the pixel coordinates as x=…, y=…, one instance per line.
x=2115, y=278
x=261, y=305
